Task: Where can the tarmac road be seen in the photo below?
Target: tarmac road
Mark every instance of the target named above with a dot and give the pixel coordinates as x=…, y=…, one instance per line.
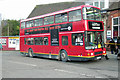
x=16, y=66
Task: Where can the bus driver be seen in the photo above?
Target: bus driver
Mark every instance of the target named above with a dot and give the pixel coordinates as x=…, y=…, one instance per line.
x=78, y=40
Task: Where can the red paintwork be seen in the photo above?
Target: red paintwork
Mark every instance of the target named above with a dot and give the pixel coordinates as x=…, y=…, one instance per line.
x=70, y=49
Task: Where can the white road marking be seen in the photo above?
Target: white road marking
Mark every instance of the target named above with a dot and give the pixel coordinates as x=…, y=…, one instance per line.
x=63, y=71
x=74, y=73
x=98, y=70
x=83, y=74
x=99, y=77
x=23, y=63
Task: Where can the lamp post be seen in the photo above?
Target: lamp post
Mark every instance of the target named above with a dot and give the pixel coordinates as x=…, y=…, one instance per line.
x=8, y=28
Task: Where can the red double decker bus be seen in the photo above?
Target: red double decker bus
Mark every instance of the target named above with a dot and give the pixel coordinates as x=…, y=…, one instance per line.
x=72, y=34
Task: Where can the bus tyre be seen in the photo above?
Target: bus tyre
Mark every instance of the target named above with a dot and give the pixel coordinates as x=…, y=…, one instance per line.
x=63, y=56
x=30, y=53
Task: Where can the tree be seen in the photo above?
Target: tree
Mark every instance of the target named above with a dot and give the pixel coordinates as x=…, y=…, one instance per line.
x=10, y=27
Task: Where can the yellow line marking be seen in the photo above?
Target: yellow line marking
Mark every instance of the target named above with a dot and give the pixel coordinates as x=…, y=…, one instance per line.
x=113, y=43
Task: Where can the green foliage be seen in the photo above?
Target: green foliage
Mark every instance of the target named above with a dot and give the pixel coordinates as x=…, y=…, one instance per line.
x=11, y=26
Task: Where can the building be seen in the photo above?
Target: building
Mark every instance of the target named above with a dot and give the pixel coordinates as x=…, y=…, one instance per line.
x=112, y=21
x=102, y=4
x=10, y=42
x=48, y=8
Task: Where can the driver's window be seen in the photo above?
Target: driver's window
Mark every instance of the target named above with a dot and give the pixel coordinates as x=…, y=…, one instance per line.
x=77, y=39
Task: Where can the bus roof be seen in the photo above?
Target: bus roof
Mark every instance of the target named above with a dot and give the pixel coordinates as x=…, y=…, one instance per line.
x=58, y=12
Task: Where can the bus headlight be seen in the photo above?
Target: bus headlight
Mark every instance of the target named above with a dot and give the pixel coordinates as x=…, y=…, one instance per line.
x=103, y=51
x=91, y=54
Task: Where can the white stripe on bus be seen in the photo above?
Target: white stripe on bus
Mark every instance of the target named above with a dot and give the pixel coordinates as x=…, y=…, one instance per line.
x=49, y=33
x=35, y=35
x=71, y=32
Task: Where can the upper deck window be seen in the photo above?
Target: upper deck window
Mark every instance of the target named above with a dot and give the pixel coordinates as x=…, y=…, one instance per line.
x=39, y=22
x=29, y=24
x=48, y=20
x=22, y=25
x=75, y=15
x=59, y=18
x=90, y=13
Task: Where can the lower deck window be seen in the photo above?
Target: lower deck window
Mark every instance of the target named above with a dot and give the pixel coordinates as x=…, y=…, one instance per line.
x=64, y=40
x=36, y=41
x=30, y=41
x=45, y=40
x=41, y=41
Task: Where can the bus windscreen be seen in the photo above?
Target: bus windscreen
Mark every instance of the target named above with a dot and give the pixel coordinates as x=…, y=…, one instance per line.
x=94, y=40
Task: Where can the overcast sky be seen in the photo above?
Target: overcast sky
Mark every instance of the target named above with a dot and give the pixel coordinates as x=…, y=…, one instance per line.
x=20, y=9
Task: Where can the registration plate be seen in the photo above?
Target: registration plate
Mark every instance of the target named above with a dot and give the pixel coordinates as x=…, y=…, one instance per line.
x=98, y=57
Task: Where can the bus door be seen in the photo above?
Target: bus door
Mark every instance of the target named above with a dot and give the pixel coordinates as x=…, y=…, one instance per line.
x=54, y=33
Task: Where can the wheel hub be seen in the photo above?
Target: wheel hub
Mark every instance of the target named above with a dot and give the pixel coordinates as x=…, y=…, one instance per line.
x=63, y=55
x=30, y=53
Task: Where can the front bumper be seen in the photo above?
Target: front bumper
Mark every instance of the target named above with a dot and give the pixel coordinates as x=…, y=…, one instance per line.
x=85, y=58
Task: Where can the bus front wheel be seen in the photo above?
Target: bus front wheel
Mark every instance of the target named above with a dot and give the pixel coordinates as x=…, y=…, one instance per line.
x=30, y=53
x=63, y=56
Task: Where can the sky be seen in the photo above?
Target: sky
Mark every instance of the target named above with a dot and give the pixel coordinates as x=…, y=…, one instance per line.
x=20, y=9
